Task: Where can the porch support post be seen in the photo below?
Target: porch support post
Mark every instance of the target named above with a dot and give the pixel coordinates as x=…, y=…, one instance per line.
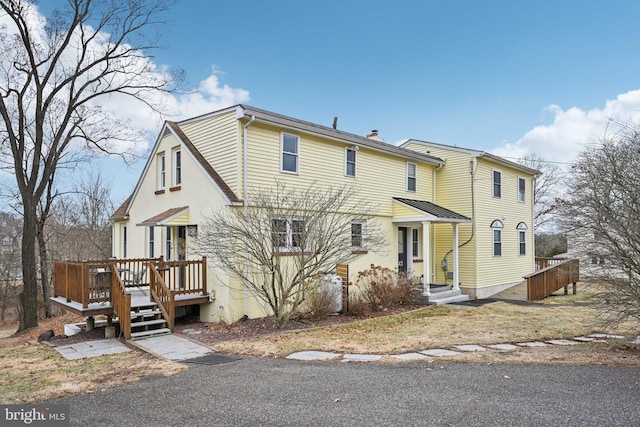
x=409, y=250
x=456, y=277
x=426, y=257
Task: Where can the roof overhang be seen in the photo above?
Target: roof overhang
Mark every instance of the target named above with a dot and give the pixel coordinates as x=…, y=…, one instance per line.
x=173, y=216
x=410, y=210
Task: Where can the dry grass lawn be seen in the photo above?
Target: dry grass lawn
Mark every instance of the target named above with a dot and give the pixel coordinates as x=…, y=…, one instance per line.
x=433, y=327
x=35, y=372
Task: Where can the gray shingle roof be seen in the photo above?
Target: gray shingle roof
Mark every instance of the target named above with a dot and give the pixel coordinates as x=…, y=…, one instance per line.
x=433, y=209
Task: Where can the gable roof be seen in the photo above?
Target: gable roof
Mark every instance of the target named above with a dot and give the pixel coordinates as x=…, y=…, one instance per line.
x=475, y=153
x=435, y=210
x=246, y=112
x=203, y=162
x=122, y=211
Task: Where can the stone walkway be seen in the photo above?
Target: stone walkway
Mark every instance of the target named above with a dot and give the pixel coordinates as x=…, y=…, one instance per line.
x=171, y=347
x=455, y=350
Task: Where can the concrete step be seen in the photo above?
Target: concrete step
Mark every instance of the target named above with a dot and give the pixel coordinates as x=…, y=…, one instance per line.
x=439, y=289
x=450, y=300
x=146, y=323
x=152, y=333
x=444, y=294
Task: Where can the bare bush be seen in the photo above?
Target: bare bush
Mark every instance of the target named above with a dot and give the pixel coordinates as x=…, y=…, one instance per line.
x=383, y=288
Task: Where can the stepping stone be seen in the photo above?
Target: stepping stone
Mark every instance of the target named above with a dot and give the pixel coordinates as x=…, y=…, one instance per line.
x=409, y=356
x=438, y=352
x=636, y=341
x=313, y=355
x=504, y=347
x=194, y=332
x=562, y=342
x=608, y=336
x=470, y=347
x=532, y=344
x=584, y=339
x=361, y=357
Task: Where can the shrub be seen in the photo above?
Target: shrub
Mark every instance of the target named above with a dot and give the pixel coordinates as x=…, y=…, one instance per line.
x=383, y=288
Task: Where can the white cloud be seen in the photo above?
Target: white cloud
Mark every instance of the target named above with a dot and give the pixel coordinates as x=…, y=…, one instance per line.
x=572, y=129
x=209, y=95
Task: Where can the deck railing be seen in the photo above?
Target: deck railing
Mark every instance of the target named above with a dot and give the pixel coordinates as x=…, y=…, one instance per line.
x=121, y=301
x=162, y=295
x=549, y=279
x=542, y=263
x=106, y=281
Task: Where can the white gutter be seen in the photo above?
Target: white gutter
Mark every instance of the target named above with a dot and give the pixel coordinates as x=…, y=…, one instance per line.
x=244, y=209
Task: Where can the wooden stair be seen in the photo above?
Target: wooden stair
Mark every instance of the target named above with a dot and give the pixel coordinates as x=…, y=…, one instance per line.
x=147, y=321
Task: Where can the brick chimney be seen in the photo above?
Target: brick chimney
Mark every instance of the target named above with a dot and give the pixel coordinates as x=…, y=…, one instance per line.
x=374, y=135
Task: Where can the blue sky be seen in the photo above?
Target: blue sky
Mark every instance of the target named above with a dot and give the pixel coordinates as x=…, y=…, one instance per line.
x=468, y=73
x=510, y=77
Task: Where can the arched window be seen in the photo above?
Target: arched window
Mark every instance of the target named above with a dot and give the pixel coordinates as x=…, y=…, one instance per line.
x=522, y=238
x=497, y=227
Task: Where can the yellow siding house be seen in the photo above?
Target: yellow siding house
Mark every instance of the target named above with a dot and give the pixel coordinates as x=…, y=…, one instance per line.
x=429, y=205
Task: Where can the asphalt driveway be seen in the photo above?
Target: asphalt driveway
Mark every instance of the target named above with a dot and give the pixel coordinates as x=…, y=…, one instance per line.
x=268, y=392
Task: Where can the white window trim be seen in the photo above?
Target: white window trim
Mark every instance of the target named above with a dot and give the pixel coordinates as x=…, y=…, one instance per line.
x=174, y=157
x=289, y=234
x=123, y=237
x=151, y=238
x=416, y=241
x=496, y=225
x=362, y=236
x=346, y=161
x=167, y=243
x=415, y=177
x=282, y=153
x=524, y=193
x=493, y=193
x=522, y=231
x=162, y=170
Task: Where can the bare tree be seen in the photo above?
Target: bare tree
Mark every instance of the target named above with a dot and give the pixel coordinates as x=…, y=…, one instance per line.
x=547, y=186
x=53, y=79
x=286, y=237
x=602, y=216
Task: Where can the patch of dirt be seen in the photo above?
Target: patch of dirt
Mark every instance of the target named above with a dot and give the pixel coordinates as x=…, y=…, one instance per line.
x=212, y=333
x=57, y=325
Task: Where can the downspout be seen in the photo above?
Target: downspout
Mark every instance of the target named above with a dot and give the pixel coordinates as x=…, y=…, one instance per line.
x=245, y=168
x=433, y=235
x=472, y=173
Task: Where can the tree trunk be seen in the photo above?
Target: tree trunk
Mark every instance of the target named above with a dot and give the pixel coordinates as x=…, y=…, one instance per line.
x=29, y=295
x=44, y=269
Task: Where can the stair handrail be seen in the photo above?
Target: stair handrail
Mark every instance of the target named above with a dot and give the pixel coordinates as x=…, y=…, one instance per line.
x=121, y=302
x=162, y=295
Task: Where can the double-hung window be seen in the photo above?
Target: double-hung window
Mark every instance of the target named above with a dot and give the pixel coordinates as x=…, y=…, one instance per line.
x=411, y=177
x=521, y=189
x=350, y=162
x=151, y=242
x=522, y=238
x=415, y=242
x=497, y=227
x=177, y=167
x=123, y=230
x=497, y=183
x=290, y=145
x=357, y=235
x=287, y=234
x=161, y=171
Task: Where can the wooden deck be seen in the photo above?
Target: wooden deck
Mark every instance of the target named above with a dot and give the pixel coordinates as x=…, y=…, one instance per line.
x=552, y=275
x=118, y=287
